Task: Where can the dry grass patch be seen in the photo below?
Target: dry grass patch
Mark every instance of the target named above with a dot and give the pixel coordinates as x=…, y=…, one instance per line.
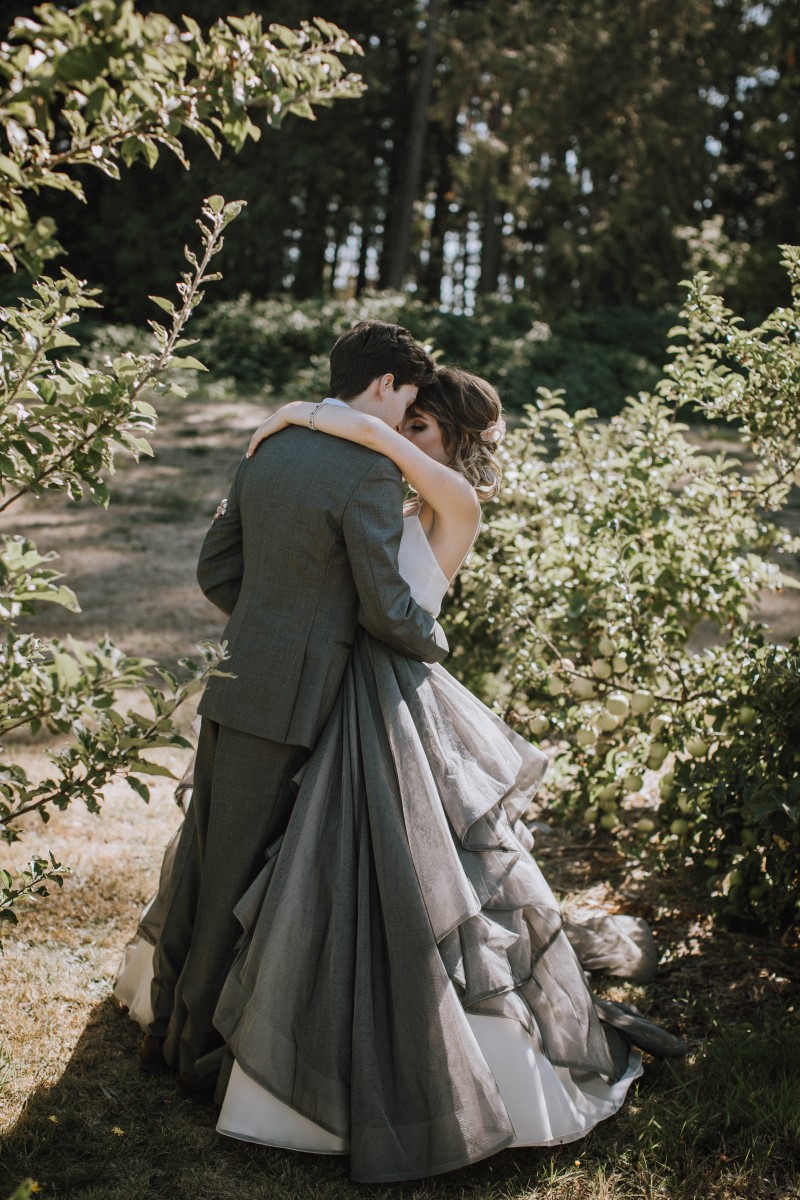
x=723, y=1125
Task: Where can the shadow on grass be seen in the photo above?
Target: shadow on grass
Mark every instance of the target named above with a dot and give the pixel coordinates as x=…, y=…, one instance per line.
x=724, y=1125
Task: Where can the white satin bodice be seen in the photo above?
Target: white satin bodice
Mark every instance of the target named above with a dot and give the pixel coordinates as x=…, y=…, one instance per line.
x=420, y=567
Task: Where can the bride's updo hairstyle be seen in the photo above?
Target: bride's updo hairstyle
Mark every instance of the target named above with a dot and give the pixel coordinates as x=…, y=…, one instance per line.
x=470, y=416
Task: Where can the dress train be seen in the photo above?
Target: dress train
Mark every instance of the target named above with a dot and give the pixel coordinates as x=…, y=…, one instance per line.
x=406, y=989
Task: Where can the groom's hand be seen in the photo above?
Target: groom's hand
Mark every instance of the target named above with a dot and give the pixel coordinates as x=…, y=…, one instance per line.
x=221, y=565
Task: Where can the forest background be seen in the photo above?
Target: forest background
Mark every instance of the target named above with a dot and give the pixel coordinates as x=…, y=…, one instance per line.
x=553, y=169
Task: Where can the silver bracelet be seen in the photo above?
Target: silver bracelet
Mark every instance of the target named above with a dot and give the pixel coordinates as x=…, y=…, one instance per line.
x=313, y=413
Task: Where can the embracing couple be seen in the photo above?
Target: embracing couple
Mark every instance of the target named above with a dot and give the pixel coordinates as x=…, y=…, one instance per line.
x=352, y=946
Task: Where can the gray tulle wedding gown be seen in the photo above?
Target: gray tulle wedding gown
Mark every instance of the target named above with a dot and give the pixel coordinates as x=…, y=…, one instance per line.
x=406, y=989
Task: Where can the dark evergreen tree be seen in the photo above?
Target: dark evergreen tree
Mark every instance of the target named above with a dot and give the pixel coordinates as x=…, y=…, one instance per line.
x=553, y=151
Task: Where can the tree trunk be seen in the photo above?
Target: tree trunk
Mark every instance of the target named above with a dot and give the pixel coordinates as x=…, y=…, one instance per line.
x=363, y=252
x=492, y=231
x=431, y=277
x=400, y=246
x=310, y=272
x=340, y=236
x=490, y=241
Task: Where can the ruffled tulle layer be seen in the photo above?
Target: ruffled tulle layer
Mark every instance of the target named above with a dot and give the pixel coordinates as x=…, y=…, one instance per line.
x=546, y=1105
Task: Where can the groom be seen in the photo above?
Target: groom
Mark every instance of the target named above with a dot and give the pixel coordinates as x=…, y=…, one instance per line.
x=305, y=552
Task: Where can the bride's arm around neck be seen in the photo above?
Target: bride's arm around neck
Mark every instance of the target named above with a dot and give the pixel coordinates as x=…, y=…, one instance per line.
x=450, y=497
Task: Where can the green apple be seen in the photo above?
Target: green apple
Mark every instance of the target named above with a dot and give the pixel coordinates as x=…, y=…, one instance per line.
x=620, y=664
x=645, y=825
x=746, y=716
x=697, y=747
x=607, y=721
x=632, y=782
x=606, y=647
x=590, y=814
x=538, y=724
x=658, y=725
x=618, y=704
x=658, y=752
x=555, y=686
x=642, y=702
x=601, y=668
x=583, y=688
x=609, y=792
x=684, y=804
x=608, y=804
x=586, y=737
x=609, y=820
x=679, y=827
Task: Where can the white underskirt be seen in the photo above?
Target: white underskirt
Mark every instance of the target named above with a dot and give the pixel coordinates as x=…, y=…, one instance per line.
x=134, y=979
x=547, y=1105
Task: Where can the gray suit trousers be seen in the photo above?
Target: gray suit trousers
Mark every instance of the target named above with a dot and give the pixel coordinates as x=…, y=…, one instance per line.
x=241, y=802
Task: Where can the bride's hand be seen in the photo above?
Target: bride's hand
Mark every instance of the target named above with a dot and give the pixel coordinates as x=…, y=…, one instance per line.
x=288, y=415
x=222, y=508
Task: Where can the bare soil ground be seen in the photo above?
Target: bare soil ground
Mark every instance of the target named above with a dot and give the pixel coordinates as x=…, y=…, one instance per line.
x=80, y=1118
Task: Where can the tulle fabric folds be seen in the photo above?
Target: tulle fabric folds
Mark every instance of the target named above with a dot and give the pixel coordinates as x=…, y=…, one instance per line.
x=402, y=897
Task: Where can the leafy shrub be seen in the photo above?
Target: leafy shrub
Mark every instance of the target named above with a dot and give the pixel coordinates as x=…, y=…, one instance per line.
x=733, y=812
x=279, y=345
x=611, y=543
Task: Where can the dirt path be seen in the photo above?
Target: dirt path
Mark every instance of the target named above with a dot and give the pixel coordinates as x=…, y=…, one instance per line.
x=133, y=566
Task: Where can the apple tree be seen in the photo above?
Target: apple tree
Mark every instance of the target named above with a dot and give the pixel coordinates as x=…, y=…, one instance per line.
x=99, y=86
x=613, y=545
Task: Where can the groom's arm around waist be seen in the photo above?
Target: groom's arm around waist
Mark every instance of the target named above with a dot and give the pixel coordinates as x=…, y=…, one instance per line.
x=372, y=525
x=221, y=565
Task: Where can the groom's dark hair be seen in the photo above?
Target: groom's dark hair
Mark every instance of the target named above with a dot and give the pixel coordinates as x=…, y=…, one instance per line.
x=371, y=349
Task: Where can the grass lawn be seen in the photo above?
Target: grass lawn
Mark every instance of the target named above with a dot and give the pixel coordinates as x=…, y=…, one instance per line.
x=78, y=1116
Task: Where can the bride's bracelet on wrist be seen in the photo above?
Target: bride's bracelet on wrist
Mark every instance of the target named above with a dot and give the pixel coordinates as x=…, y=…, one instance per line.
x=313, y=413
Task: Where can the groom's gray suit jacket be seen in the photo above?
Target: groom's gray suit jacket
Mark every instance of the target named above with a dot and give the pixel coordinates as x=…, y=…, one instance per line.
x=306, y=552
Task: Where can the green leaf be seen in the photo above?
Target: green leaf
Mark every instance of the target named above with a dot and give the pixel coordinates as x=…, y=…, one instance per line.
x=187, y=363
x=11, y=169
x=61, y=595
x=68, y=671
x=164, y=304
x=150, y=150
x=140, y=788
x=287, y=37
x=144, y=767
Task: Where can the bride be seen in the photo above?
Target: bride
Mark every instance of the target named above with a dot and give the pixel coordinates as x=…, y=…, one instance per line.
x=405, y=989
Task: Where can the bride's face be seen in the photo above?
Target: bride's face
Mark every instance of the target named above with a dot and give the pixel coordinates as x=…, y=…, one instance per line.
x=426, y=433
